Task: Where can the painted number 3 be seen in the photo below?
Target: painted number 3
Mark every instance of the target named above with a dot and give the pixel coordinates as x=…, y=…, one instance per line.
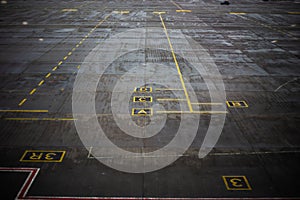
x=236, y=182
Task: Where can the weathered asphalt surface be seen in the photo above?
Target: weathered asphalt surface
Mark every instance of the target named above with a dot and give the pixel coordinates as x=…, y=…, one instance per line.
x=254, y=44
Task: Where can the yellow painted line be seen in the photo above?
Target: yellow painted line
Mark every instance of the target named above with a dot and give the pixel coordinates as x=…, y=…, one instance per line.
x=179, y=7
x=78, y=67
x=208, y=104
x=32, y=91
x=22, y=102
x=159, y=12
x=177, y=66
x=70, y=53
x=39, y=119
x=49, y=74
x=188, y=112
x=41, y=82
x=69, y=10
x=65, y=58
x=59, y=63
x=237, y=13
x=166, y=89
x=294, y=13
x=25, y=111
x=74, y=49
x=77, y=45
x=54, y=68
x=183, y=11
x=80, y=42
x=171, y=99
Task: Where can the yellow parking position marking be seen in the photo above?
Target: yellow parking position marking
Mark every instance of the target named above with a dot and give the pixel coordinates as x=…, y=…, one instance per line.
x=69, y=10
x=294, y=13
x=143, y=89
x=22, y=102
x=141, y=112
x=42, y=156
x=54, y=68
x=41, y=82
x=32, y=91
x=38, y=119
x=237, y=104
x=171, y=99
x=184, y=11
x=188, y=112
x=25, y=111
x=49, y=74
x=237, y=13
x=142, y=99
x=177, y=66
x=59, y=63
x=236, y=183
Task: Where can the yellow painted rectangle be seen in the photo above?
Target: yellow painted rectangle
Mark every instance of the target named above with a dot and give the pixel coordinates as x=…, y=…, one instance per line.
x=143, y=89
x=142, y=99
x=141, y=112
x=237, y=104
x=236, y=183
x=42, y=156
x=69, y=10
x=184, y=11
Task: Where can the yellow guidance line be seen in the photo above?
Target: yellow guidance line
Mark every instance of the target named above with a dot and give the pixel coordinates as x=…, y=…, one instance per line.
x=294, y=13
x=166, y=89
x=189, y=112
x=237, y=13
x=22, y=102
x=215, y=104
x=39, y=119
x=183, y=11
x=26, y=111
x=32, y=91
x=175, y=4
x=177, y=66
x=171, y=99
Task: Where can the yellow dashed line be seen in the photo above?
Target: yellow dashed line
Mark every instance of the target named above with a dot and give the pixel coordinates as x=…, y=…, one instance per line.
x=41, y=82
x=22, y=102
x=74, y=49
x=32, y=91
x=65, y=58
x=78, y=67
x=49, y=74
x=70, y=53
x=59, y=63
x=54, y=68
x=77, y=45
x=80, y=42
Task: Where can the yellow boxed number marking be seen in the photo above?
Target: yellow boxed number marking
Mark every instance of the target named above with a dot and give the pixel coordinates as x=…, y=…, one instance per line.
x=237, y=104
x=142, y=99
x=43, y=156
x=236, y=183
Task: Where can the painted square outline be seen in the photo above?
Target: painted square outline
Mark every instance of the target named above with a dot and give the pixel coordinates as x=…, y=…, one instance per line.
x=244, y=102
x=237, y=176
x=151, y=99
x=43, y=151
x=132, y=112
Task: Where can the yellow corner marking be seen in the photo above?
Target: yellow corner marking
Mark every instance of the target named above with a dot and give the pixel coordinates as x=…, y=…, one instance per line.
x=32, y=91
x=59, y=63
x=25, y=111
x=41, y=82
x=54, y=68
x=183, y=11
x=49, y=74
x=177, y=65
x=22, y=102
x=69, y=10
x=237, y=13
